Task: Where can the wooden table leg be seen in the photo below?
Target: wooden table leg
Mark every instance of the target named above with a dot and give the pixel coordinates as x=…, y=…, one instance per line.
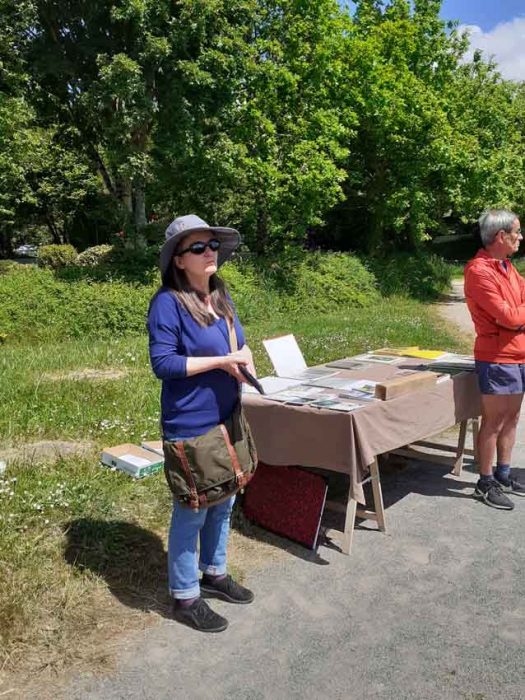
x=351, y=511
x=458, y=462
x=475, y=433
x=378, y=495
x=343, y=537
x=378, y=514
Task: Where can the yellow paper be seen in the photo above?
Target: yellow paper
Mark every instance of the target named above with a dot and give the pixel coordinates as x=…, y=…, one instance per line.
x=401, y=352
x=427, y=354
x=411, y=351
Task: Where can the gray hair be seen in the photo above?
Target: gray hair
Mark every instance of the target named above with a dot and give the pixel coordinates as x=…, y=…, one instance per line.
x=494, y=220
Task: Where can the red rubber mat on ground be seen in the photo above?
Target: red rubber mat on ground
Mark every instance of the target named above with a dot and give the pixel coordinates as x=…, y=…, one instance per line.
x=288, y=501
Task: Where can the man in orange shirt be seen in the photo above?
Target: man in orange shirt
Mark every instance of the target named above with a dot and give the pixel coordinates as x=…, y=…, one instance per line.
x=495, y=294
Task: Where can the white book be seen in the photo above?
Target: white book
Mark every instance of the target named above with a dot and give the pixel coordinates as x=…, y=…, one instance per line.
x=381, y=359
x=336, y=404
x=288, y=361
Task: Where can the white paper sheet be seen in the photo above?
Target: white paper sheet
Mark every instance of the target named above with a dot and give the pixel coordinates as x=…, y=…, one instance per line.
x=288, y=360
x=285, y=355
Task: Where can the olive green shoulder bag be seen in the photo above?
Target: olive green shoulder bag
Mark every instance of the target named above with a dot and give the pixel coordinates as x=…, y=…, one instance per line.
x=207, y=469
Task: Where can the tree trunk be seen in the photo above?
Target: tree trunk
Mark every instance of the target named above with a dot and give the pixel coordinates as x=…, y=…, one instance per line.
x=376, y=193
x=6, y=245
x=139, y=205
x=123, y=193
x=55, y=233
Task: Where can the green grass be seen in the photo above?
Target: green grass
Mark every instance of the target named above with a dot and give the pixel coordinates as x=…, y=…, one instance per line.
x=77, y=538
x=457, y=269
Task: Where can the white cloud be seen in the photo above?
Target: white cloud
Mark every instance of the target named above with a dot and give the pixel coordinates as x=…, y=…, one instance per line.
x=505, y=43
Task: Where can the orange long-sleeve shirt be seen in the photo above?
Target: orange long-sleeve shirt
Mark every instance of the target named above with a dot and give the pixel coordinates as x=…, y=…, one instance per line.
x=496, y=301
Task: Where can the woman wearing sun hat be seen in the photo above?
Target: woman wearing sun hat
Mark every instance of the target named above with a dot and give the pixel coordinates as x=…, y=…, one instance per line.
x=190, y=352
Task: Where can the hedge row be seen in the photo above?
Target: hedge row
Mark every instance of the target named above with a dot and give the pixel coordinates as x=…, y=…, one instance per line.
x=105, y=294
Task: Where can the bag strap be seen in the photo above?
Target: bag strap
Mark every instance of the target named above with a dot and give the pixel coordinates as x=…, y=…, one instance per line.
x=195, y=501
x=234, y=345
x=240, y=476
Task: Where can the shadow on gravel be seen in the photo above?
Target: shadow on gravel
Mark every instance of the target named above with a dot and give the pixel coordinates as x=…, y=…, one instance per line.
x=402, y=477
x=130, y=559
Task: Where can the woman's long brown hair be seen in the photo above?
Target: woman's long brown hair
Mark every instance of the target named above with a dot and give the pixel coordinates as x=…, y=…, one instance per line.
x=193, y=301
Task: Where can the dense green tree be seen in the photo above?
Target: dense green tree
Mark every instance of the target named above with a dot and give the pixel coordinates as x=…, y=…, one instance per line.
x=435, y=136
x=265, y=114
x=41, y=181
x=400, y=59
x=253, y=131
x=95, y=66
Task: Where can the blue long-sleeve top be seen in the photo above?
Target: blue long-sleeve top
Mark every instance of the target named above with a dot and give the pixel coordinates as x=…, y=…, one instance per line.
x=193, y=405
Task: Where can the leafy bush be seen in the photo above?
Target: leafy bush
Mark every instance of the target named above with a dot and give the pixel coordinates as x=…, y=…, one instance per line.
x=56, y=256
x=38, y=305
x=7, y=266
x=252, y=298
x=421, y=276
x=118, y=264
x=72, y=302
x=94, y=256
x=298, y=281
x=326, y=281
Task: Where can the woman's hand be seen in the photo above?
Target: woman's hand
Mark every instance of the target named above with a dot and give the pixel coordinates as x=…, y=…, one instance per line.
x=241, y=357
x=248, y=354
x=230, y=363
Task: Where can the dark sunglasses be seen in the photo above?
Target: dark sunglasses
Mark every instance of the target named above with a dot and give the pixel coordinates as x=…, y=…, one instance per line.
x=199, y=247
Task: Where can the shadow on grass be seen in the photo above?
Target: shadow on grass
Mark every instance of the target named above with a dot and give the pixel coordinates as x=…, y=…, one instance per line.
x=130, y=559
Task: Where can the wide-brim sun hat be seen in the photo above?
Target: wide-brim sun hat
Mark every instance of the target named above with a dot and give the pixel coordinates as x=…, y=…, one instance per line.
x=182, y=226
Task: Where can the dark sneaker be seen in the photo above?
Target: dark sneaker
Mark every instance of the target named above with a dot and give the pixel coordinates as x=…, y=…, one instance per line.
x=200, y=616
x=490, y=492
x=227, y=589
x=511, y=485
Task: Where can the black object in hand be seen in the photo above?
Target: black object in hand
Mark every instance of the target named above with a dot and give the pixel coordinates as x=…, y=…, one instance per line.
x=251, y=379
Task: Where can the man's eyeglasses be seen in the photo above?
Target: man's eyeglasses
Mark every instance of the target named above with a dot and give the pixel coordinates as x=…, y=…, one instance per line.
x=199, y=247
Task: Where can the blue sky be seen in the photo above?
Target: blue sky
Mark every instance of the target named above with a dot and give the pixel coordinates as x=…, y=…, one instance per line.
x=486, y=14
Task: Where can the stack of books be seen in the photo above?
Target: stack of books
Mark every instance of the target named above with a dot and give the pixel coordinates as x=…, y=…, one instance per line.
x=452, y=364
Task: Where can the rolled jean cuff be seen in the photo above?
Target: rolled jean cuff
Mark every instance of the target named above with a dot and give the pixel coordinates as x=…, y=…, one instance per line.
x=185, y=593
x=213, y=570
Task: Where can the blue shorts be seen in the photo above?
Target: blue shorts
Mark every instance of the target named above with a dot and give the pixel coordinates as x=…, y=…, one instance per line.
x=501, y=379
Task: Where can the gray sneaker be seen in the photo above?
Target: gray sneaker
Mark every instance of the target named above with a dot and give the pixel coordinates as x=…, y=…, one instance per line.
x=200, y=616
x=227, y=589
x=490, y=492
x=511, y=485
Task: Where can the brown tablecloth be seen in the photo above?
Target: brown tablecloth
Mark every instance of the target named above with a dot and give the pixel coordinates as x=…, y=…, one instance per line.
x=349, y=442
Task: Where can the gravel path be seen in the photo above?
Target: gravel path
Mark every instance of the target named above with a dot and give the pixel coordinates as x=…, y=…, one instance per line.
x=454, y=308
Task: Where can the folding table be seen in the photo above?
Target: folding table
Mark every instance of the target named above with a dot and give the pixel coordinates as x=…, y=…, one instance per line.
x=351, y=442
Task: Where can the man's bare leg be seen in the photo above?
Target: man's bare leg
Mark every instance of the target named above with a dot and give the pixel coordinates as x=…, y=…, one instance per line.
x=499, y=419
x=507, y=435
